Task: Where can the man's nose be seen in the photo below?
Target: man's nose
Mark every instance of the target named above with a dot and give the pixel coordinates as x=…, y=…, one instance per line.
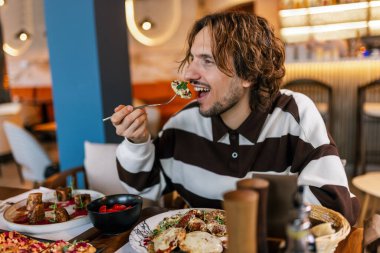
x=191, y=72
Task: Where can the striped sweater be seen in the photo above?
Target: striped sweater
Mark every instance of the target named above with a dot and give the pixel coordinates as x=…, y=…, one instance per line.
x=201, y=158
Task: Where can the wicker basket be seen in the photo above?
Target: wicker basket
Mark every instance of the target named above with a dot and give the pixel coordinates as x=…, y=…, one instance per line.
x=328, y=243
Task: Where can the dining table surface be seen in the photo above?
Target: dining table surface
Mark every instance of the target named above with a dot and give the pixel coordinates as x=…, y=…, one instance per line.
x=111, y=243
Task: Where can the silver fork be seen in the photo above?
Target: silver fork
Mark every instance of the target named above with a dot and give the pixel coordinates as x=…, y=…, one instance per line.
x=4, y=205
x=147, y=105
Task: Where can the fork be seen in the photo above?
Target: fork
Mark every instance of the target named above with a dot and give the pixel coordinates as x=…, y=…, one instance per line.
x=4, y=205
x=147, y=105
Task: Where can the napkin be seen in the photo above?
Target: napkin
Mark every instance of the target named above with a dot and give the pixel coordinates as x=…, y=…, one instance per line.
x=59, y=235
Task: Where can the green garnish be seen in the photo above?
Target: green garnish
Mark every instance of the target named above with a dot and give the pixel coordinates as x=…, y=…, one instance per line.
x=182, y=86
x=54, y=207
x=219, y=220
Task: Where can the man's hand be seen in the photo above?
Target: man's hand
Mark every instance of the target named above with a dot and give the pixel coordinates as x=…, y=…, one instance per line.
x=130, y=123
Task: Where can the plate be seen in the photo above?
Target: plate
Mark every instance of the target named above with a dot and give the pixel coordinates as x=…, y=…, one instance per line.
x=144, y=229
x=47, y=228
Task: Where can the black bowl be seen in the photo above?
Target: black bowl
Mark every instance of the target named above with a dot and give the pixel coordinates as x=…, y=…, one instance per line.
x=116, y=222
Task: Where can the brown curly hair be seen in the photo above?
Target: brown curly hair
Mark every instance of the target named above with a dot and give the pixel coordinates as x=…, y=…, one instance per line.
x=258, y=55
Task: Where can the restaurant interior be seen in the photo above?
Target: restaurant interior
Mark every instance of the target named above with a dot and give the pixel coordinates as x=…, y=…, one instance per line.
x=65, y=65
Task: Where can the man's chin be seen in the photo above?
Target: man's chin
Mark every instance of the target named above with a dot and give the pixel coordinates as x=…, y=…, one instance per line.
x=204, y=113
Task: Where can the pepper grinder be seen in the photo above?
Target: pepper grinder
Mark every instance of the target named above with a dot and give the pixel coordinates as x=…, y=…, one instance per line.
x=241, y=207
x=261, y=186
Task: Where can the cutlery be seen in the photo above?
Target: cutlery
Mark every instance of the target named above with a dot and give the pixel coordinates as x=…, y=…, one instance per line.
x=147, y=105
x=4, y=205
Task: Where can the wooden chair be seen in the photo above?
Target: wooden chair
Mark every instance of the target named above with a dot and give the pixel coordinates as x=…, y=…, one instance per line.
x=64, y=178
x=319, y=92
x=368, y=126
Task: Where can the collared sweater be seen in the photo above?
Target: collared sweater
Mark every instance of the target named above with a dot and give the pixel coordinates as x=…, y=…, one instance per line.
x=201, y=158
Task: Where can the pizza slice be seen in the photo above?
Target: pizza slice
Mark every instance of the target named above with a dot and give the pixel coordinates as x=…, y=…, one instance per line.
x=180, y=88
x=81, y=246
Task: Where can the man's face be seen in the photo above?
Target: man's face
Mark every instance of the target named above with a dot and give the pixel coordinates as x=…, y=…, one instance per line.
x=217, y=92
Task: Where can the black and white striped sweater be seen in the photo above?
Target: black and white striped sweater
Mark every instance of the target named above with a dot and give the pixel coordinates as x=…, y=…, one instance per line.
x=202, y=158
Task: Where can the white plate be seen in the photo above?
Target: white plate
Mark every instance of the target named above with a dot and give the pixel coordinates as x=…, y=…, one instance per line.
x=47, y=228
x=144, y=229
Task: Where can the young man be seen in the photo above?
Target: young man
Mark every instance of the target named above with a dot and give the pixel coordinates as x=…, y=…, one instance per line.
x=240, y=124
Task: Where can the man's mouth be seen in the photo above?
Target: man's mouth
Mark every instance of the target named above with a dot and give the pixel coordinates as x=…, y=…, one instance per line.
x=202, y=91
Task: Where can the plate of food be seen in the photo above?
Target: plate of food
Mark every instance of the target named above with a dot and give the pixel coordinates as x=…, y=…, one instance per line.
x=50, y=212
x=188, y=230
x=12, y=241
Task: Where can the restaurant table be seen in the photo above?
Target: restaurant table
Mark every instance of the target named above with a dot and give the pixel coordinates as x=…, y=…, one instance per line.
x=111, y=243
x=8, y=192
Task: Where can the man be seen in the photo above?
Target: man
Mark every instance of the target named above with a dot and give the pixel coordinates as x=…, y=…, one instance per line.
x=240, y=124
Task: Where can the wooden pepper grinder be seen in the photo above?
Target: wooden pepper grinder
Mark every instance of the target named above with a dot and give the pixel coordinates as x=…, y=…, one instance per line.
x=242, y=208
x=261, y=186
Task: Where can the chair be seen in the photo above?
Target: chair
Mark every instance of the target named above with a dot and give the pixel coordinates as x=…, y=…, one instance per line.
x=100, y=167
x=368, y=126
x=29, y=155
x=65, y=178
x=319, y=92
x=8, y=112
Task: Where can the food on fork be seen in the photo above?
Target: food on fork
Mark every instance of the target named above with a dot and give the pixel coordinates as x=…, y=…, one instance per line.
x=180, y=88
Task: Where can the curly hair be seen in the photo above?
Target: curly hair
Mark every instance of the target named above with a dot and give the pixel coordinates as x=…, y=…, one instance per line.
x=258, y=55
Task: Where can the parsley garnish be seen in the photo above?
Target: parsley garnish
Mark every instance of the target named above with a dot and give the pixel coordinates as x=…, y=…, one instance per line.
x=182, y=86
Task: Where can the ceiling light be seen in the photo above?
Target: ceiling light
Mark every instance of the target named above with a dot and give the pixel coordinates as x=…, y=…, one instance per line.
x=23, y=35
x=146, y=24
x=2, y=3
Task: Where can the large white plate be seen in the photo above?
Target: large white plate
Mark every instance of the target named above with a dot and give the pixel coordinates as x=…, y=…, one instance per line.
x=144, y=229
x=47, y=228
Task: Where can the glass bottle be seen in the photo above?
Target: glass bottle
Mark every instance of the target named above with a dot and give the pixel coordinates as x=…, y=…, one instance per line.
x=299, y=238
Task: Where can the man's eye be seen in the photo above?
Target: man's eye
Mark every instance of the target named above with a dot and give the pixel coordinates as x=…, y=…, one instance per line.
x=206, y=61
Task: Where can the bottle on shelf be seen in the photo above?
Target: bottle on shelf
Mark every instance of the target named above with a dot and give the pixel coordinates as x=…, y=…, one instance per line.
x=299, y=238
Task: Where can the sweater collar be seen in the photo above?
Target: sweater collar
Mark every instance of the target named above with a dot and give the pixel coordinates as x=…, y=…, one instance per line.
x=250, y=128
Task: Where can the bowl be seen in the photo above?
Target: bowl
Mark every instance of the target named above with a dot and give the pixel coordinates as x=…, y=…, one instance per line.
x=115, y=222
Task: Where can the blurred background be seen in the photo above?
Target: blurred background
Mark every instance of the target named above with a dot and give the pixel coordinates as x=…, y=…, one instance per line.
x=67, y=65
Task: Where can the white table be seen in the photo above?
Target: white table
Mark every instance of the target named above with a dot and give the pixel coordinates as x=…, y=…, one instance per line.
x=369, y=184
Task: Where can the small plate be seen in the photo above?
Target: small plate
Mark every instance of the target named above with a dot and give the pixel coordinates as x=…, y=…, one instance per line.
x=47, y=228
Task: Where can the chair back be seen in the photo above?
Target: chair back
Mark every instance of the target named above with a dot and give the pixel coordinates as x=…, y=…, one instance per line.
x=368, y=126
x=100, y=167
x=65, y=178
x=27, y=152
x=8, y=112
x=319, y=92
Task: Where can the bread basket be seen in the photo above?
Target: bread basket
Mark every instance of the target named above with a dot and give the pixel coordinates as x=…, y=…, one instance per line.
x=328, y=243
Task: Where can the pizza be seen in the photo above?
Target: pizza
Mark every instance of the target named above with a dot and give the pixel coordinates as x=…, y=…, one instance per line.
x=12, y=241
x=194, y=231
x=180, y=88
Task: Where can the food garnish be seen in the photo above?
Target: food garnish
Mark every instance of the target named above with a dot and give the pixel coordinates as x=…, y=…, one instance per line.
x=114, y=208
x=180, y=88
